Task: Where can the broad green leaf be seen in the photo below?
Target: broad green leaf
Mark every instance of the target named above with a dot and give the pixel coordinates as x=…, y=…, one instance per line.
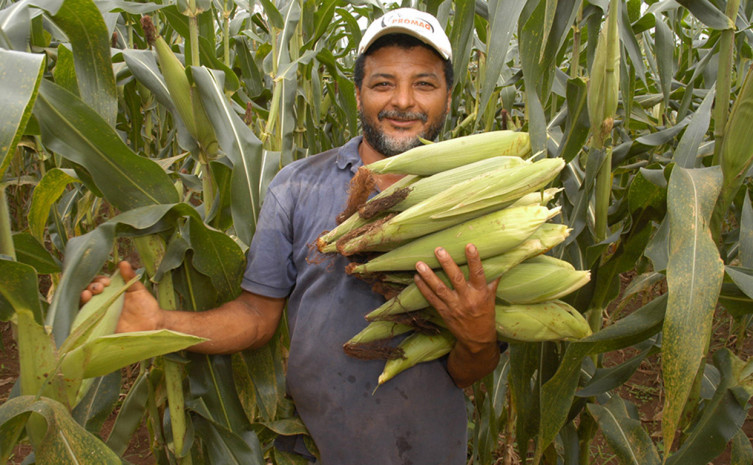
x=15, y=26
x=645, y=195
x=665, y=47
x=129, y=415
x=503, y=20
x=576, y=124
x=242, y=147
x=624, y=434
x=65, y=70
x=256, y=382
x=721, y=418
x=32, y=253
x=47, y=191
x=746, y=233
x=558, y=392
x=133, y=8
x=78, y=133
x=98, y=403
x=106, y=354
x=705, y=11
x=461, y=38
x=742, y=450
x=657, y=250
x=694, y=278
x=606, y=379
x=65, y=441
x=143, y=65
x=212, y=378
x=687, y=150
x=19, y=287
x=223, y=445
x=742, y=277
x=20, y=76
x=524, y=364
x=85, y=27
x=38, y=359
x=216, y=255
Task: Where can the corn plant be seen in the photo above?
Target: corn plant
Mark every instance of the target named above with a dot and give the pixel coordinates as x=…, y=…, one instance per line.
x=150, y=131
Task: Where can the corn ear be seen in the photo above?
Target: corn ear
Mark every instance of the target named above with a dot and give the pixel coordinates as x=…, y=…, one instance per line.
x=547, y=321
x=417, y=348
x=99, y=316
x=377, y=331
x=540, y=280
x=544, y=238
x=177, y=83
x=433, y=158
x=604, y=84
x=440, y=182
x=489, y=192
x=325, y=243
x=492, y=234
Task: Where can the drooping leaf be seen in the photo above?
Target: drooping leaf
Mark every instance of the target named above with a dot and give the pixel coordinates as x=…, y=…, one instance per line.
x=746, y=233
x=20, y=76
x=105, y=354
x=558, y=392
x=216, y=255
x=242, y=147
x=694, y=276
x=85, y=27
x=74, y=130
x=47, y=191
x=624, y=433
x=32, y=253
x=64, y=441
x=721, y=418
x=707, y=13
x=19, y=287
x=687, y=150
x=503, y=19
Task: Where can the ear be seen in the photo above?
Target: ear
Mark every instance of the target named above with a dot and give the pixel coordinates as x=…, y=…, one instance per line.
x=449, y=101
x=358, y=98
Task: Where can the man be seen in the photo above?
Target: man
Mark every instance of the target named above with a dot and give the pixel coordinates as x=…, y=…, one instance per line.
x=403, y=85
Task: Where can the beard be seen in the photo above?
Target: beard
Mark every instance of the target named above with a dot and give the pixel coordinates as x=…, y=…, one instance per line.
x=392, y=145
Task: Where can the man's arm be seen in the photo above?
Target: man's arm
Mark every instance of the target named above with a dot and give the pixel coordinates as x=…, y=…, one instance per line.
x=250, y=320
x=468, y=311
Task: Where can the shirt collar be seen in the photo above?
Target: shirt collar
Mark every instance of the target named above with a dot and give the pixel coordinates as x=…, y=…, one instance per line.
x=348, y=155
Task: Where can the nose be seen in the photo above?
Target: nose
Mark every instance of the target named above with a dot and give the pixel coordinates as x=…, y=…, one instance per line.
x=403, y=98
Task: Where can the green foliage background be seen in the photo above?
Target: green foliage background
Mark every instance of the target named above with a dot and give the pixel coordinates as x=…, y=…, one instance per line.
x=102, y=158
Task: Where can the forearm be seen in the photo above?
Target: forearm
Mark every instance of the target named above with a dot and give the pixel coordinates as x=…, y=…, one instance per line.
x=469, y=363
x=246, y=322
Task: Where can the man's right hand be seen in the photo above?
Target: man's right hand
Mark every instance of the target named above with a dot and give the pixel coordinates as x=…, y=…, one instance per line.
x=141, y=312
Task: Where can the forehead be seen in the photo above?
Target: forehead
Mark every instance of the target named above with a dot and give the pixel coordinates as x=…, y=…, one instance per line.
x=401, y=61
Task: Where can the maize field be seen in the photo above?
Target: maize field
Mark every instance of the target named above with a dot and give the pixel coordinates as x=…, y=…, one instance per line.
x=150, y=131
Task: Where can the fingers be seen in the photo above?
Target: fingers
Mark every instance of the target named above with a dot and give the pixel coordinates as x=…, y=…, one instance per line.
x=126, y=270
x=476, y=275
x=97, y=285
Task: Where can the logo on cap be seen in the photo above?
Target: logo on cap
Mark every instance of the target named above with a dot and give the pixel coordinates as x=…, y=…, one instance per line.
x=400, y=21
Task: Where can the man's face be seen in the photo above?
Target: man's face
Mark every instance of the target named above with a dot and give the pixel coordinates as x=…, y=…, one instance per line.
x=403, y=96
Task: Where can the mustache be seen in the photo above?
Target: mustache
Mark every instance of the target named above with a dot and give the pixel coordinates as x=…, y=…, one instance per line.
x=402, y=115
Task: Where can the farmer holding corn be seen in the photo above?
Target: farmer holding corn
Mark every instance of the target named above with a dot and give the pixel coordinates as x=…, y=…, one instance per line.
x=403, y=78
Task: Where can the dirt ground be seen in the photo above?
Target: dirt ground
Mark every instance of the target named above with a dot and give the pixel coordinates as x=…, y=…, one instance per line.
x=644, y=389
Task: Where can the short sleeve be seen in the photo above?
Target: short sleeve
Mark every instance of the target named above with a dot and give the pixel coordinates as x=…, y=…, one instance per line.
x=270, y=270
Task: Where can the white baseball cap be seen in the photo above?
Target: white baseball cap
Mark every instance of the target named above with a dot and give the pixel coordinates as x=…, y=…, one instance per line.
x=418, y=24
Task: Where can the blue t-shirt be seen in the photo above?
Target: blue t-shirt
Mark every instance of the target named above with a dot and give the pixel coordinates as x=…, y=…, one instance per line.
x=416, y=418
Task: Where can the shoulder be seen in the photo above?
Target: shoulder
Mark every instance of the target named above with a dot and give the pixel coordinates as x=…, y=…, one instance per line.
x=323, y=167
